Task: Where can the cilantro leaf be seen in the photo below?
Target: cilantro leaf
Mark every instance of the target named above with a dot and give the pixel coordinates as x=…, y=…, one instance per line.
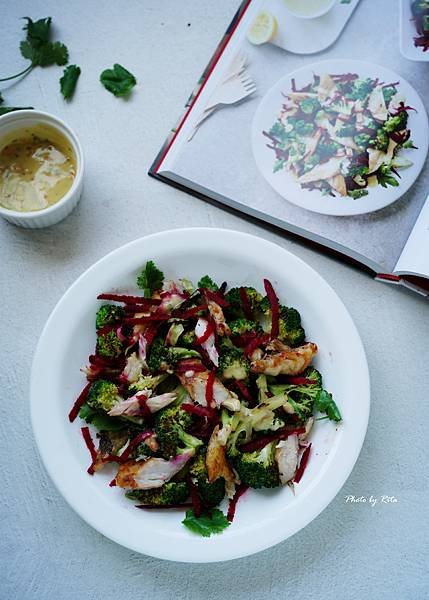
x=68, y=81
x=101, y=421
x=118, y=80
x=8, y=109
x=150, y=279
x=325, y=403
x=208, y=523
x=38, y=32
x=208, y=283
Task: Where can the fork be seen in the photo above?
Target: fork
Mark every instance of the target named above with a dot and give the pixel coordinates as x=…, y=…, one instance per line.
x=231, y=91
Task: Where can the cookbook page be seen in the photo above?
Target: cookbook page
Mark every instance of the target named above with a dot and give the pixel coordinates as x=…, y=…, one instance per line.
x=414, y=259
x=296, y=150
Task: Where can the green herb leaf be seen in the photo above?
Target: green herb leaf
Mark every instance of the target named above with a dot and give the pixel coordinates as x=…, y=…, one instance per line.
x=118, y=80
x=215, y=522
x=325, y=403
x=150, y=279
x=68, y=81
x=101, y=421
x=7, y=109
x=38, y=32
x=208, y=283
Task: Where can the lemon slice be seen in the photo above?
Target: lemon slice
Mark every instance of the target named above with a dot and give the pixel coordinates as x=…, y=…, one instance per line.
x=263, y=28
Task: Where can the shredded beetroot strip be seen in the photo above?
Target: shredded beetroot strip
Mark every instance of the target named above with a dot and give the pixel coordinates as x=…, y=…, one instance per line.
x=79, y=402
x=90, y=445
x=280, y=434
x=245, y=304
x=195, y=498
x=191, y=312
x=133, y=444
x=112, y=483
x=129, y=299
x=144, y=409
x=209, y=388
x=233, y=502
x=243, y=390
x=275, y=309
x=148, y=319
x=207, y=333
x=215, y=297
x=190, y=364
x=302, y=464
x=201, y=411
x=255, y=343
x=162, y=506
x=300, y=381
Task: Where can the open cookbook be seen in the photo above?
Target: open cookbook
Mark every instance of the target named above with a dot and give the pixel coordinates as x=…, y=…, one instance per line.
x=329, y=148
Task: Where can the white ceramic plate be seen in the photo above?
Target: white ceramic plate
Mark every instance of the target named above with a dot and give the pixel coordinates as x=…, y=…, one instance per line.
x=283, y=182
x=407, y=33
x=263, y=518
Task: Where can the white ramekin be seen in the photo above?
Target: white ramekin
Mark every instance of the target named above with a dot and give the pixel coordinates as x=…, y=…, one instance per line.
x=315, y=15
x=61, y=209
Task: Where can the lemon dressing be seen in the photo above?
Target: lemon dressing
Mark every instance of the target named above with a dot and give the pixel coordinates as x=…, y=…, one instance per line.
x=37, y=168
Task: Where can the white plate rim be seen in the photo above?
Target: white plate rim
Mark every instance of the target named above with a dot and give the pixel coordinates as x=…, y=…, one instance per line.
x=216, y=551
x=313, y=201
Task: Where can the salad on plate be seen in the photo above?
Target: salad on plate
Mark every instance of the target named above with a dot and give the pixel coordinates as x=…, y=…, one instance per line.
x=420, y=12
x=198, y=393
x=342, y=134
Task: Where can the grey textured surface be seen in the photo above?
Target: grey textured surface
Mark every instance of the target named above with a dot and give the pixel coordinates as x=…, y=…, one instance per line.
x=47, y=551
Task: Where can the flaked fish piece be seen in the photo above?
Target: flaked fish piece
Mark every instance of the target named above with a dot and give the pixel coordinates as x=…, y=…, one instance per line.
x=196, y=384
x=376, y=158
x=216, y=461
x=288, y=361
x=325, y=170
x=151, y=473
x=377, y=104
x=132, y=408
x=287, y=458
x=216, y=312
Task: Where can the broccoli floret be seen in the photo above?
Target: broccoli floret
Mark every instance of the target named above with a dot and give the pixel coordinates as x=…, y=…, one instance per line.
x=396, y=123
x=361, y=89
x=356, y=194
x=188, y=338
x=291, y=331
x=257, y=469
x=109, y=345
x=303, y=128
x=233, y=364
x=240, y=326
x=381, y=140
x=301, y=397
x=169, y=424
x=170, y=493
x=309, y=105
x=108, y=314
x=235, y=308
x=211, y=494
x=208, y=283
x=362, y=139
x=162, y=357
x=102, y=395
x=147, y=382
x=388, y=93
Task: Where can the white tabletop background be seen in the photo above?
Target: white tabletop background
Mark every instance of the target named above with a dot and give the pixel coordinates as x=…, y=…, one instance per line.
x=46, y=550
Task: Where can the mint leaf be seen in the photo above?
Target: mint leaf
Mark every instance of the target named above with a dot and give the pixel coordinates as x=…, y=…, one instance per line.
x=68, y=81
x=208, y=283
x=325, y=403
x=213, y=522
x=150, y=279
x=118, y=80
